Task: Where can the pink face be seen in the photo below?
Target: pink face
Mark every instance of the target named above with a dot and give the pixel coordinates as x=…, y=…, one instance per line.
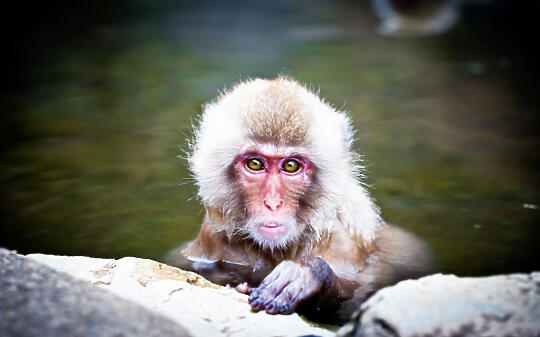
x=272, y=186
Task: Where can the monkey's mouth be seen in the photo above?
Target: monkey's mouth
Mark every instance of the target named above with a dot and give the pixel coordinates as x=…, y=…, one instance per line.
x=272, y=230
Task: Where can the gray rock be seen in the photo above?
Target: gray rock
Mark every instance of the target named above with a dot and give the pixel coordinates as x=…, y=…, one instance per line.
x=36, y=300
x=202, y=307
x=445, y=305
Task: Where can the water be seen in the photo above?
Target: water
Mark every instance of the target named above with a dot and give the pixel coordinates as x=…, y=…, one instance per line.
x=98, y=112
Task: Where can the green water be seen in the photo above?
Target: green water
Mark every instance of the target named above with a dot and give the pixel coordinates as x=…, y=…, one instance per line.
x=100, y=113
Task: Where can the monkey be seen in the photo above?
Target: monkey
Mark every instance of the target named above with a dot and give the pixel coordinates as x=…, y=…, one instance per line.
x=288, y=221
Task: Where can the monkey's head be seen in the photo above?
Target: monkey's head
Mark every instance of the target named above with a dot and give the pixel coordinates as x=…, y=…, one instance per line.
x=274, y=165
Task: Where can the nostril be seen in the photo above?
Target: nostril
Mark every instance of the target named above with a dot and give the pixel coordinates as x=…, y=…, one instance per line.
x=273, y=205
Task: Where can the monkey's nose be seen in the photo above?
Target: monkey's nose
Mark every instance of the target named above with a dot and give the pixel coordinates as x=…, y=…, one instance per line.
x=273, y=205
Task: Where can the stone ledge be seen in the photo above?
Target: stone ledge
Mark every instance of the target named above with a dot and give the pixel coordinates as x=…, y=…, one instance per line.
x=200, y=306
x=46, y=295
x=447, y=305
x=38, y=301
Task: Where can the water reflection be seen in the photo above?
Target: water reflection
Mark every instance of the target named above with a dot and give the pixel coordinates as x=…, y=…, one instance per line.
x=447, y=124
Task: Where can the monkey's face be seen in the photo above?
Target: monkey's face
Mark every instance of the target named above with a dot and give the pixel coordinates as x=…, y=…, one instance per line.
x=272, y=186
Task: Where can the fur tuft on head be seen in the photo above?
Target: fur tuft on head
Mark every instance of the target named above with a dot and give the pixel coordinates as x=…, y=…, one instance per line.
x=284, y=113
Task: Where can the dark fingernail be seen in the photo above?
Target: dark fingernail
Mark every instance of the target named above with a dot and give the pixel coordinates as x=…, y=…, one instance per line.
x=271, y=306
x=284, y=308
x=256, y=304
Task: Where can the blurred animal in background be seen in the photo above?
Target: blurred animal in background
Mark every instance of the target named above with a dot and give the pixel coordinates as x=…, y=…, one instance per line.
x=287, y=220
x=416, y=17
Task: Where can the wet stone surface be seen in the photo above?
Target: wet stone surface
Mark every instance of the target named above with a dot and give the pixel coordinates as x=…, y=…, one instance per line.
x=445, y=305
x=151, y=291
x=36, y=300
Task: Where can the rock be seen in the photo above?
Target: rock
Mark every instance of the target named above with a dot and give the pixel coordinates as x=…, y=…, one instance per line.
x=445, y=305
x=202, y=307
x=38, y=301
x=46, y=295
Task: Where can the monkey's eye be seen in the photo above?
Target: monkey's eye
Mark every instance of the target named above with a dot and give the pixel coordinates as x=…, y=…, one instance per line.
x=291, y=166
x=255, y=164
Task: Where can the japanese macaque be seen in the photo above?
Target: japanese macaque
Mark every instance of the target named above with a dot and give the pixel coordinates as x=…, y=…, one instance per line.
x=287, y=220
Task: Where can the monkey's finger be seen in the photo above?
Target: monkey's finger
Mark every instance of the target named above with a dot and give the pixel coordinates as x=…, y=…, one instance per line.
x=275, y=284
x=281, y=304
x=266, y=283
x=282, y=275
x=257, y=304
x=261, y=298
x=270, y=278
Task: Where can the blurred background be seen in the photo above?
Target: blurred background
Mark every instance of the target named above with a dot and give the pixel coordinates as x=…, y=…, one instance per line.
x=98, y=98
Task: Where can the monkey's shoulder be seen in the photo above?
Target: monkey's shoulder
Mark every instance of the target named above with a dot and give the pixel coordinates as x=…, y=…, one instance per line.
x=394, y=249
x=391, y=238
x=403, y=250
x=345, y=253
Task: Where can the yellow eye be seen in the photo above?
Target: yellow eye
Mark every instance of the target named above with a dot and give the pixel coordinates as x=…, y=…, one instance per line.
x=291, y=166
x=255, y=164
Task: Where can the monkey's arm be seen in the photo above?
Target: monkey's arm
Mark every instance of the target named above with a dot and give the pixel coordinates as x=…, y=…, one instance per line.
x=314, y=288
x=398, y=255
x=309, y=280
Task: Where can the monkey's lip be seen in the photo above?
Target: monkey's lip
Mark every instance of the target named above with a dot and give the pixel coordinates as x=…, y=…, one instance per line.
x=272, y=225
x=272, y=229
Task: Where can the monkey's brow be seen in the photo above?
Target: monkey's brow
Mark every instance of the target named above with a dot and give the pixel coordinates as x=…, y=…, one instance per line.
x=274, y=155
x=269, y=149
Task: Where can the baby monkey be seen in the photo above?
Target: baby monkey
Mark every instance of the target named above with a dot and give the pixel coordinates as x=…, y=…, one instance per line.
x=287, y=220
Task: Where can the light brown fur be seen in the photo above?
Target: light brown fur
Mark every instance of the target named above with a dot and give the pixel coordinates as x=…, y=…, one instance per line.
x=278, y=114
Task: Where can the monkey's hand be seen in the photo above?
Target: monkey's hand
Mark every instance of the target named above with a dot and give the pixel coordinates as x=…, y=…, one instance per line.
x=291, y=283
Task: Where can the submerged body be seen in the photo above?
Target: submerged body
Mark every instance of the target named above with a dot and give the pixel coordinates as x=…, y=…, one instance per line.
x=286, y=219
x=356, y=272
